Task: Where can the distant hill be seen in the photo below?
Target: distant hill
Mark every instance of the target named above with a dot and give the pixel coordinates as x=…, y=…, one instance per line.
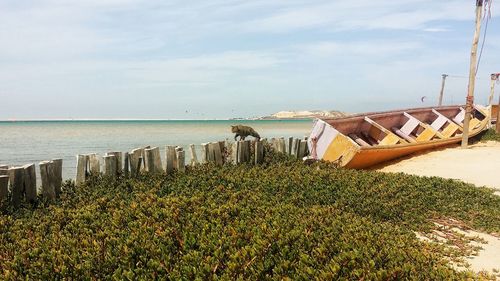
x=305, y=114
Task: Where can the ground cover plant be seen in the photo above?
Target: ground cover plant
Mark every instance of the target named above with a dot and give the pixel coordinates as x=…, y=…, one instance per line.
x=281, y=220
x=490, y=135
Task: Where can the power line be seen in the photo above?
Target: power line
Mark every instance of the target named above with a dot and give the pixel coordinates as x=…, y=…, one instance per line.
x=487, y=16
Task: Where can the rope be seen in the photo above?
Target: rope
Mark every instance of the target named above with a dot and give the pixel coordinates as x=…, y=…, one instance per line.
x=487, y=16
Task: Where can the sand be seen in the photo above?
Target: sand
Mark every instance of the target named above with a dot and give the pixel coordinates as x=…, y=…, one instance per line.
x=480, y=165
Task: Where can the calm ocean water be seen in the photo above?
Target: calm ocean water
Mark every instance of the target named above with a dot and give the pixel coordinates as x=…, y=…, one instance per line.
x=34, y=141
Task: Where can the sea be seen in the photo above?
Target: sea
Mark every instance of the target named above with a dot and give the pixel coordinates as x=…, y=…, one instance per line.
x=26, y=142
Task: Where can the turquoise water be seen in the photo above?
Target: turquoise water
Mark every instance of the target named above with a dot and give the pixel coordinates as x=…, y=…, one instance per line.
x=34, y=141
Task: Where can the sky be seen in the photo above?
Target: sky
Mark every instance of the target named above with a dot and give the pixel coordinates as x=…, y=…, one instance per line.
x=202, y=59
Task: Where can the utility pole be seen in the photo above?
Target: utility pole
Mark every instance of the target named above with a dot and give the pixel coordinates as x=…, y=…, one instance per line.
x=494, y=78
x=472, y=74
x=442, y=89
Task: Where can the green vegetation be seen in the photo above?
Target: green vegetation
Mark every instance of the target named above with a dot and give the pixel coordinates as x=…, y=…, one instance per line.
x=490, y=135
x=277, y=221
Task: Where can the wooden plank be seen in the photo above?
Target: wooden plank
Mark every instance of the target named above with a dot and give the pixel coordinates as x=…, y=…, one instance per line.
x=95, y=166
x=289, y=145
x=194, y=159
x=215, y=153
x=4, y=172
x=234, y=152
x=150, y=163
x=181, y=160
x=302, y=149
x=126, y=165
x=170, y=158
x=282, y=145
x=17, y=185
x=119, y=160
x=4, y=188
x=57, y=176
x=204, y=153
x=30, y=182
x=48, y=190
x=81, y=169
x=135, y=159
x=259, y=152
x=110, y=165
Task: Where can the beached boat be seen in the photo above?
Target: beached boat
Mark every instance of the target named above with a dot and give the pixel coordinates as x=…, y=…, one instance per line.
x=363, y=140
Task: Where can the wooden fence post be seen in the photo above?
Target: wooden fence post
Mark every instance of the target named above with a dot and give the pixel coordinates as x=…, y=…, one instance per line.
x=194, y=159
x=110, y=165
x=30, y=182
x=95, y=166
x=57, y=175
x=295, y=147
x=234, y=152
x=48, y=189
x=289, y=145
x=181, y=160
x=170, y=155
x=81, y=169
x=302, y=149
x=119, y=160
x=17, y=185
x=204, y=153
x=4, y=172
x=214, y=153
x=4, y=188
x=126, y=165
x=136, y=161
x=244, y=151
x=259, y=152
x=153, y=160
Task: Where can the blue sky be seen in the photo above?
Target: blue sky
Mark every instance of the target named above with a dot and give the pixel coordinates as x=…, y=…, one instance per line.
x=234, y=58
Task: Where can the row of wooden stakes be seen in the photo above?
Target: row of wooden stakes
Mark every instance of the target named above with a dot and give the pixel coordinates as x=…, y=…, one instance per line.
x=148, y=159
x=23, y=185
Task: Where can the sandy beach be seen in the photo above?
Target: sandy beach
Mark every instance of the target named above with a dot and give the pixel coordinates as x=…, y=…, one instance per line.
x=480, y=165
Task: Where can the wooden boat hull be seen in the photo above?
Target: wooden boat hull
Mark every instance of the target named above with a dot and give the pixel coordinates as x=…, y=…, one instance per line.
x=330, y=140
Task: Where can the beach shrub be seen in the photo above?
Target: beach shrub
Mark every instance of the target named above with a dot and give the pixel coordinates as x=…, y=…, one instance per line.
x=281, y=220
x=490, y=135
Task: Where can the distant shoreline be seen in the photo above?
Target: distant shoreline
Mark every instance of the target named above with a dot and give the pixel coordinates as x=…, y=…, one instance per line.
x=153, y=120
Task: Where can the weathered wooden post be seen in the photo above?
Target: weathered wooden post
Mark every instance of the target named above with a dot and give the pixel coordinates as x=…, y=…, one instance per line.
x=81, y=168
x=4, y=171
x=204, y=153
x=244, y=151
x=472, y=75
x=48, y=189
x=126, y=165
x=289, y=145
x=57, y=175
x=170, y=158
x=4, y=188
x=235, y=153
x=95, y=167
x=135, y=161
x=30, y=182
x=181, y=160
x=293, y=149
x=214, y=153
x=110, y=165
x=498, y=116
x=302, y=149
x=17, y=185
x=194, y=159
x=119, y=160
x=259, y=152
x=153, y=160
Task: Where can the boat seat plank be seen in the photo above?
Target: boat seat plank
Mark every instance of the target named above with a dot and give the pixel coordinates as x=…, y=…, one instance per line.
x=390, y=138
x=450, y=129
x=403, y=135
x=370, y=139
x=459, y=118
x=439, y=122
x=358, y=140
x=410, y=125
